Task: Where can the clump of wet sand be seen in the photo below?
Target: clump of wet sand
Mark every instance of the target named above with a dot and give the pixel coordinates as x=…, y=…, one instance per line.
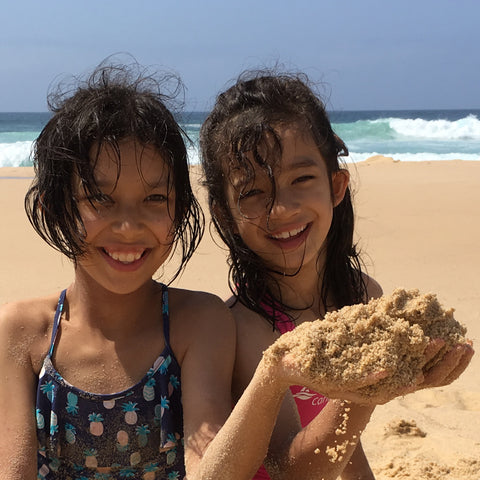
x=404, y=428
x=388, y=334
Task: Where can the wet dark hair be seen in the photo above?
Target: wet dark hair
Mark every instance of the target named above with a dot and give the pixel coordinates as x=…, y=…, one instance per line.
x=116, y=102
x=236, y=135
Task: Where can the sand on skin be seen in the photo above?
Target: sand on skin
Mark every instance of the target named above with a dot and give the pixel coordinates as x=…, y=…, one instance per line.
x=419, y=226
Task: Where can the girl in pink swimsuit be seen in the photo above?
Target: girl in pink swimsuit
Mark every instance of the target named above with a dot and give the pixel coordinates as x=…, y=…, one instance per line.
x=280, y=201
x=286, y=215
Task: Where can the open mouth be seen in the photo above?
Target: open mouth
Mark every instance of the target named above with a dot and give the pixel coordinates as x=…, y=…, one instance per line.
x=124, y=257
x=290, y=234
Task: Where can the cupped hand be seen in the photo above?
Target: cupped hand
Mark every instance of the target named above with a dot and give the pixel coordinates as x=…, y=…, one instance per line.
x=288, y=371
x=442, y=365
x=445, y=365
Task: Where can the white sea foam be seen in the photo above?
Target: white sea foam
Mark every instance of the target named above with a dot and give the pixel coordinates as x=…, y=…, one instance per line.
x=193, y=156
x=467, y=128
x=18, y=154
x=413, y=157
x=406, y=139
x=15, y=154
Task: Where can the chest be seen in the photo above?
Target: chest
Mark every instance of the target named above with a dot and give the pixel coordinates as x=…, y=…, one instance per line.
x=104, y=365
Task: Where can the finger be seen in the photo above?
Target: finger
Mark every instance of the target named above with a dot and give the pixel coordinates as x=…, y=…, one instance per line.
x=334, y=389
x=464, y=361
x=449, y=367
x=417, y=384
x=368, y=380
x=359, y=397
x=434, y=351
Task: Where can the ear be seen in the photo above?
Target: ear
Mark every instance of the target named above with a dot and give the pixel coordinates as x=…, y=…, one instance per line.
x=340, y=180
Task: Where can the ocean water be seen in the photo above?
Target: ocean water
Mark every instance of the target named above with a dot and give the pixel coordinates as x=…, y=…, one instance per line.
x=405, y=135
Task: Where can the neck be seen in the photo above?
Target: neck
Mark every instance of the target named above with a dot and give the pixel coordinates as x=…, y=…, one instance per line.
x=302, y=290
x=104, y=310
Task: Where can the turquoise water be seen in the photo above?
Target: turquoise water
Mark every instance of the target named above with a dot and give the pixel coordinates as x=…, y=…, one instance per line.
x=403, y=134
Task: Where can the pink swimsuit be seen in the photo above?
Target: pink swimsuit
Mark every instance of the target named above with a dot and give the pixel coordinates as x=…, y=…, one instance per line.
x=309, y=403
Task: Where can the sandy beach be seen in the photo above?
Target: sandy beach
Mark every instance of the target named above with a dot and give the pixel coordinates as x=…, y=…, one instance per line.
x=418, y=225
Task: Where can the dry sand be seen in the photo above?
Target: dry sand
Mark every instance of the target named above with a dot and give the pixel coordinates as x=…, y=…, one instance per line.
x=419, y=224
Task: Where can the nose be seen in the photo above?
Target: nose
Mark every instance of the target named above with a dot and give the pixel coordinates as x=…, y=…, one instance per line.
x=285, y=205
x=127, y=221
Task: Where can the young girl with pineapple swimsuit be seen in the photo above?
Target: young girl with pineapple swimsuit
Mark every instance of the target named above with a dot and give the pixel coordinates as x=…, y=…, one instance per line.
x=118, y=376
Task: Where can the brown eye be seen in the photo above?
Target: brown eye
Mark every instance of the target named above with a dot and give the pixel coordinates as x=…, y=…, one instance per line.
x=156, y=198
x=254, y=203
x=303, y=178
x=101, y=199
x=249, y=194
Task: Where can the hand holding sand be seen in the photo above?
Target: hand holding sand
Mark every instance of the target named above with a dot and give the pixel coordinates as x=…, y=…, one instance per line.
x=372, y=353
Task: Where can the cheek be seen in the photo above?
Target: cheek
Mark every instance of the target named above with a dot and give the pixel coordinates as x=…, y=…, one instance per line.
x=89, y=231
x=90, y=225
x=250, y=232
x=164, y=226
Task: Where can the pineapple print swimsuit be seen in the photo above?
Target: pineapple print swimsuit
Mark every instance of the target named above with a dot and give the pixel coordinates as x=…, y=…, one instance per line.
x=136, y=433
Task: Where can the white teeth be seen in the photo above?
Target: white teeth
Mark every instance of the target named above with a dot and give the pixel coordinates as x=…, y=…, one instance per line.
x=291, y=233
x=125, y=257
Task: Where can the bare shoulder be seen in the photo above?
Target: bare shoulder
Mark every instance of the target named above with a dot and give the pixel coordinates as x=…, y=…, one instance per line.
x=34, y=316
x=198, y=318
x=25, y=328
x=244, y=317
x=197, y=304
x=374, y=289
x=253, y=331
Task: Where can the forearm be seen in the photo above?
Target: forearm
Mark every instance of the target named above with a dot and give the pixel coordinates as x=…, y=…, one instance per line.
x=358, y=468
x=18, y=457
x=240, y=446
x=323, y=448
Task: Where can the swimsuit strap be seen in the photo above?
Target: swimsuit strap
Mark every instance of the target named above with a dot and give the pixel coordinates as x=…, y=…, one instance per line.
x=56, y=321
x=282, y=321
x=165, y=315
x=58, y=315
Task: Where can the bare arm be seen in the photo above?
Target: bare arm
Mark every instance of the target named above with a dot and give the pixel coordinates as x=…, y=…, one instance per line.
x=328, y=446
x=358, y=468
x=18, y=460
x=312, y=450
x=325, y=446
x=218, y=445
x=239, y=447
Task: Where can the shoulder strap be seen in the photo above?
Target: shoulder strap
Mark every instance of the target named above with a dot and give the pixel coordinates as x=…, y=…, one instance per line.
x=165, y=315
x=282, y=321
x=56, y=321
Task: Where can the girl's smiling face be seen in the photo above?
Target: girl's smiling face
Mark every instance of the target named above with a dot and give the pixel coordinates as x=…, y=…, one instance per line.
x=129, y=224
x=287, y=225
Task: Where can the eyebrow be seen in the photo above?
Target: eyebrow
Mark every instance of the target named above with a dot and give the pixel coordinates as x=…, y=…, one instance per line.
x=297, y=163
x=160, y=183
x=301, y=162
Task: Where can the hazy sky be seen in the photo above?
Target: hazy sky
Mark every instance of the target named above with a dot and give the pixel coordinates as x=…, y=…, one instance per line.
x=369, y=54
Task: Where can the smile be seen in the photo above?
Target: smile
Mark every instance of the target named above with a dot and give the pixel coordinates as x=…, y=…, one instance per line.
x=289, y=234
x=125, y=258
